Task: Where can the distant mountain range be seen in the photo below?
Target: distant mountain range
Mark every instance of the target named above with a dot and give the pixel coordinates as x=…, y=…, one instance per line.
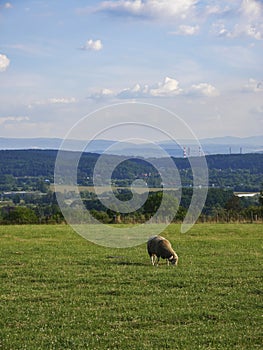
x=218, y=145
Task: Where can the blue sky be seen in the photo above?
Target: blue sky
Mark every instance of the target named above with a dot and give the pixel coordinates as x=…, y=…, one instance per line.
x=61, y=60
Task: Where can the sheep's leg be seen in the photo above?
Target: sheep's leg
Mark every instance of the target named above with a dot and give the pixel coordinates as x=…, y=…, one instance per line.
x=153, y=259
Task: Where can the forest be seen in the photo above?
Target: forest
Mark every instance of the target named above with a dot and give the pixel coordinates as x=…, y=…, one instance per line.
x=30, y=169
x=27, y=195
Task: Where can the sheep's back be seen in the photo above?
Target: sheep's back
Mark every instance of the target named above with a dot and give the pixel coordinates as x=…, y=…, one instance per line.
x=160, y=246
x=165, y=249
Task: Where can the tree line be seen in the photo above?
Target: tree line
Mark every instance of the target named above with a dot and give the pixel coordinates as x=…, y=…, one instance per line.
x=221, y=206
x=26, y=169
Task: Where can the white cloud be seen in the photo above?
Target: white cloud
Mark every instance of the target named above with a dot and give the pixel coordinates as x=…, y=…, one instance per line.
x=219, y=29
x=213, y=9
x=258, y=111
x=250, y=22
x=63, y=100
x=251, y=30
x=102, y=94
x=254, y=31
x=149, y=8
x=248, y=19
x=137, y=91
x=239, y=9
x=253, y=85
x=224, y=32
x=237, y=18
x=169, y=87
x=4, y=62
x=133, y=7
x=93, y=45
x=4, y=120
x=204, y=89
x=186, y=30
x=8, y=5
x=252, y=8
x=53, y=101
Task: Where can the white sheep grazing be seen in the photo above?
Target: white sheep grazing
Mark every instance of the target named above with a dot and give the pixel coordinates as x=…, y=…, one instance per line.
x=157, y=247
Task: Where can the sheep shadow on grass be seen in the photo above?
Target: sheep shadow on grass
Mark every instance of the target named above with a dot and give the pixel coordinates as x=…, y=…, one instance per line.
x=122, y=260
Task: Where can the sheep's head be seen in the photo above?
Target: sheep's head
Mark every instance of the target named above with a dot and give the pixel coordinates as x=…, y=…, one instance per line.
x=173, y=259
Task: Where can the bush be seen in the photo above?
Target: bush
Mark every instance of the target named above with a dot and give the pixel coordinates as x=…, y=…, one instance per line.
x=18, y=215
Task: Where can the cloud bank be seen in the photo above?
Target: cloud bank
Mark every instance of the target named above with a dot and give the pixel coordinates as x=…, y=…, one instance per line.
x=249, y=21
x=229, y=19
x=168, y=88
x=149, y=8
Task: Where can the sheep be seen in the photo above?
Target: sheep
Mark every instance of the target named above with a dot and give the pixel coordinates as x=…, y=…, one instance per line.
x=157, y=247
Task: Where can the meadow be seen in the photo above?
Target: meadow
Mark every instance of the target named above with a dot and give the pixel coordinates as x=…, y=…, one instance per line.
x=59, y=291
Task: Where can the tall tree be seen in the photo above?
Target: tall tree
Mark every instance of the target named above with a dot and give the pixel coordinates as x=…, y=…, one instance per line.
x=261, y=196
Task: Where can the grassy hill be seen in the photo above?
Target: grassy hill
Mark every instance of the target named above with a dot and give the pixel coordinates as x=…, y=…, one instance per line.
x=58, y=291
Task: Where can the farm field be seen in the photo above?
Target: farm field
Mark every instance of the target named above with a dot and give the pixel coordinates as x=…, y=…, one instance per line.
x=59, y=291
x=102, y=189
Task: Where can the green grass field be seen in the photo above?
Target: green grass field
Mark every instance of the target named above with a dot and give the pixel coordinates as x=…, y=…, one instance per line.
x=59, y=291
